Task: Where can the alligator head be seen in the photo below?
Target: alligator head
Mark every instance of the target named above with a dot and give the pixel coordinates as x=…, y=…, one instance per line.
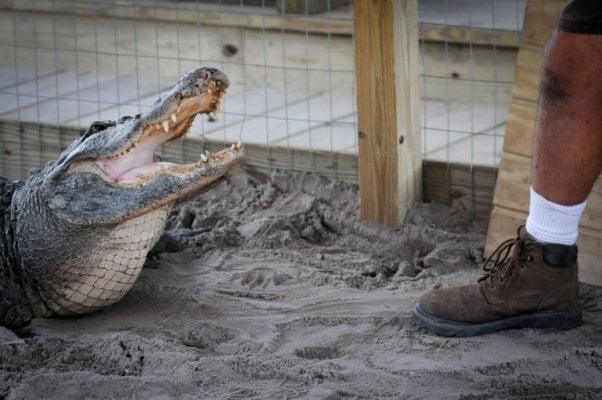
x=84, y=224
x=120, y=157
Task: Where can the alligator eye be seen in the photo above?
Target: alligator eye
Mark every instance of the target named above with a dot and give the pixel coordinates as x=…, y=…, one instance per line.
x=157, y=158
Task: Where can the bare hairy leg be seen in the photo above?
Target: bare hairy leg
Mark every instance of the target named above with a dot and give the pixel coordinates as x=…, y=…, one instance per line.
x=567, y=151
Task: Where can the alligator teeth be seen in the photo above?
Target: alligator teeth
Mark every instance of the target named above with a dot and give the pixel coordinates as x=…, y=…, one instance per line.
x=238, y=145
x=165, y=125
x=204, y=158
x=233, y=147
x=173, y=117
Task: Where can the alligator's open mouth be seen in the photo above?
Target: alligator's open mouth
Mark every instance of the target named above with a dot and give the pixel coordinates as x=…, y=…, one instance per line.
x=137, y=163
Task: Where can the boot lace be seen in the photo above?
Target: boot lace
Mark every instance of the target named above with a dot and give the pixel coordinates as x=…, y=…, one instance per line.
x=503, y=260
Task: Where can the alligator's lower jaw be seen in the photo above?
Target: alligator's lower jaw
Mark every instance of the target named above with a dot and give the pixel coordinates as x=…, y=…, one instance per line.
x=209, y=167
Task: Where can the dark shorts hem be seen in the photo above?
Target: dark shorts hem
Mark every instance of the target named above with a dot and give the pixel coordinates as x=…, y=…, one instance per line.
x=581, y=16
x=587, y=28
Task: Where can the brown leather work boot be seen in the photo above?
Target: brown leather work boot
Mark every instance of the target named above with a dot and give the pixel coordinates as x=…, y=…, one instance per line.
x=527, y=285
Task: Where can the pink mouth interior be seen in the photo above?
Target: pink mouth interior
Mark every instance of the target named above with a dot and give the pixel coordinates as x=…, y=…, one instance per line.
x=138, y=161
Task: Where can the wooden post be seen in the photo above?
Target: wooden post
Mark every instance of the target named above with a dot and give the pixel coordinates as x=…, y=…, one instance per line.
x=388, y=104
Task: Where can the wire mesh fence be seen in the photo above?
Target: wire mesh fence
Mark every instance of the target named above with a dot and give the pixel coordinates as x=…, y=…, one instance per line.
x=467, y=77
x=67, y=63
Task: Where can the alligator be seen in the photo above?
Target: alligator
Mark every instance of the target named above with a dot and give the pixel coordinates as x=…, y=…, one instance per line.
x=76, y=233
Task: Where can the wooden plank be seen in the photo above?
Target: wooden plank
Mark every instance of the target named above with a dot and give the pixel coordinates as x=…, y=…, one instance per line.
x=526, y=77
x=338, y=23
x=590, y=249
x=387, y=75
x=520, y=124
x=541, y=18
x=459, y=185
x=514, y=179
x=464, y=35
x=503, y=225
x=471, y=188
x=196, y=13
x=29, y=145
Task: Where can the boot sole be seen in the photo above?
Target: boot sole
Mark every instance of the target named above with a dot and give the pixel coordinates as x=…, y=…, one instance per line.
x=563, y=319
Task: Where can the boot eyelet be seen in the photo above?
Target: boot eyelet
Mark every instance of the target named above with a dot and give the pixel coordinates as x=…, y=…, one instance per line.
x=529, y=258
x=491, y=287
x=522, y=266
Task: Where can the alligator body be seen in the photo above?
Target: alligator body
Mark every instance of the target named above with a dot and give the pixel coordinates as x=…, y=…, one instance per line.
x=76, y=233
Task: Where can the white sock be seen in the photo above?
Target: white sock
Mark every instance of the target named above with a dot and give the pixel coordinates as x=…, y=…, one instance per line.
x=553, y=223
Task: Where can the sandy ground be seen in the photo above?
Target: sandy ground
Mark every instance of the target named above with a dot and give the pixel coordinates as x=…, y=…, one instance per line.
x=279, y=293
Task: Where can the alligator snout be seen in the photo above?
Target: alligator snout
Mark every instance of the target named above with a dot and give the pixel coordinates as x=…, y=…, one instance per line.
x=205, y=78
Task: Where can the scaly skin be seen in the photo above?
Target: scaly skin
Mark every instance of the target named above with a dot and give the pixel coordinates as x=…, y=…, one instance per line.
x=77, y=232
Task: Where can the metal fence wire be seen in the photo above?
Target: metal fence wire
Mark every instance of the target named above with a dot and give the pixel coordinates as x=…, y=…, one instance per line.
x=67, y=63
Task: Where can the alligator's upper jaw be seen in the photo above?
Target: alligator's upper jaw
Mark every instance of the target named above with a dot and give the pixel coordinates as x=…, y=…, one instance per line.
x=137, y=164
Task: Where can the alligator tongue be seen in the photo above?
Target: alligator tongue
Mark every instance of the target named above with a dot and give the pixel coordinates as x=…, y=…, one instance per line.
x=139, y=159
x=133, y=175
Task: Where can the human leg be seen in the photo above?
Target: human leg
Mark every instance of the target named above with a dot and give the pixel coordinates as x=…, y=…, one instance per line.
x=531, y=281
x=567, y=148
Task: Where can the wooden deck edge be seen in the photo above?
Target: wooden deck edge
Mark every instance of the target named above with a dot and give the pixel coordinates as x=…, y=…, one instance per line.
x=231, y=16
x=26, y=145
x=464, y=186
x=465, y=36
